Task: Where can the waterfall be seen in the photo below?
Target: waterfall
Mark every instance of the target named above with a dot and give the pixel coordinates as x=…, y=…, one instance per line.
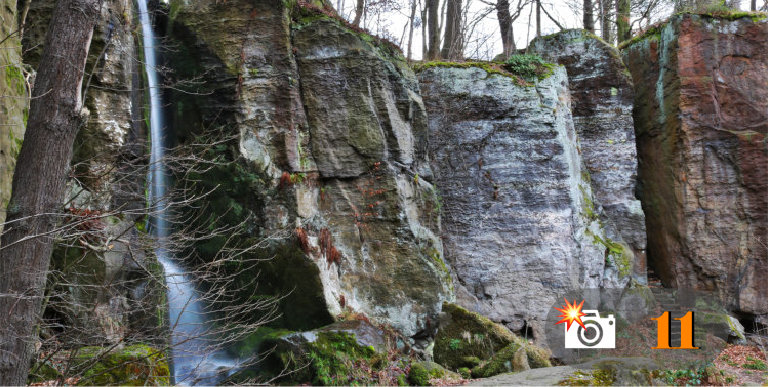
x=189, y=340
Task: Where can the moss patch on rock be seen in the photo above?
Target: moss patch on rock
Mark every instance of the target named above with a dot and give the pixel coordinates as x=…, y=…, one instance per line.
x=135, y=365
x=463, y=335
x=322, y=358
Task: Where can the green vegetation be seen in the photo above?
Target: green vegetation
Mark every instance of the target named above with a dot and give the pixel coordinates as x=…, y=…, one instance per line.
x=586, y=378
x=418, y=375
x=333, y=358
x=755, y=364
x=523, y=69
x=135, y=365
x=529, y=67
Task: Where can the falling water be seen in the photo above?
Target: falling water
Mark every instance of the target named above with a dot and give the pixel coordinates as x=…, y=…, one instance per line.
x=192, y=363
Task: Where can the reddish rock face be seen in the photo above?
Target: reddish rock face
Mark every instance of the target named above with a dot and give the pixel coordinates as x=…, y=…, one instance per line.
x=701, y=115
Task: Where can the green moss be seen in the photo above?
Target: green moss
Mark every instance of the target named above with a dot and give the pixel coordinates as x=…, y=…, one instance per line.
x=468, y=335
x=651, y=33
x=589, y=206
x=491, y=68
x=501, y=362
x=755, y=364
x=537, y=357
x=618, y=254
x=418, y=375
x=465, y=372
x=333, y=358
x=522, y=68
x=529, y=67
x=135, y=365
x=250, y=345
x=14, y=79
x=586, y=378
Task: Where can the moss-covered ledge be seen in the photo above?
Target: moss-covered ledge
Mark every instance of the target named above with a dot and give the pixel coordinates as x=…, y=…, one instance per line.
x=524, y=69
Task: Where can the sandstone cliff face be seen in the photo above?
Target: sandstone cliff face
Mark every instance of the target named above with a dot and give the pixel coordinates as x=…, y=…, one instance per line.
x=519, y=222
x=701, y=114
x=602, y=99
x=332, y=123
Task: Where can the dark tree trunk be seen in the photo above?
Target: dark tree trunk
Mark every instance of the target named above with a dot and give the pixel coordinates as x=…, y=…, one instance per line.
x=606, y=6
x=452, y=42
x=39, y=181
x=433, y=16
x=623, y=29
x=505, y=27
x=753, y=5
x=538, y=18
x=589, y=19
x=359, y=9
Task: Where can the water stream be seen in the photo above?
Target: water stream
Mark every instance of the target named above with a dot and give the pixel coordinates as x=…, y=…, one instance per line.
x=192, y=360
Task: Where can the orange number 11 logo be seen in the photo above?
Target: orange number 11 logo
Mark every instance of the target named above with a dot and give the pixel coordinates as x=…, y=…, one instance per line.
x=686, y=331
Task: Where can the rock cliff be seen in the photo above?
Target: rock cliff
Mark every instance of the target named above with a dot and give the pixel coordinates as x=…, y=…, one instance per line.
x=602, y=98
x=701, y=116
x=331, y=121
x=519, y=220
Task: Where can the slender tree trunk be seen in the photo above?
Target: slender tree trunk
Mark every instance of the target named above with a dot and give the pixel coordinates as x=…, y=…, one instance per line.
x=505, y=27
x=753, y=5
x=39, y=181
x=359, y=9
x=606, y=6
x=452, y=38
x=433, y=16
x=623, y=29
x=410, y=29
x=538, y=18
x=424, y=35
x=589, y=20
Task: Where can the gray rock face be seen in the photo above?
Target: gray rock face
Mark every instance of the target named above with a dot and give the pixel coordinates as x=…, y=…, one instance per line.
x=518, y=220
x=602, y=99
x=314, y=100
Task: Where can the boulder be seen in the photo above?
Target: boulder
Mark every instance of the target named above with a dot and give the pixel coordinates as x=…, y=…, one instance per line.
x=520, y=223
x=465, y=340
x=338, y=354
x=602, y=97
x=701, y=116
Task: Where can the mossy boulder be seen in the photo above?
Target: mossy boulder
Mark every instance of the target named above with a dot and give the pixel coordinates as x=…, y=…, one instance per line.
x=418, y=375
x=515, y=357
x=347, y=352
x=469, y=340
x=135, y=365
x=464, y=335
x=423, y=373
